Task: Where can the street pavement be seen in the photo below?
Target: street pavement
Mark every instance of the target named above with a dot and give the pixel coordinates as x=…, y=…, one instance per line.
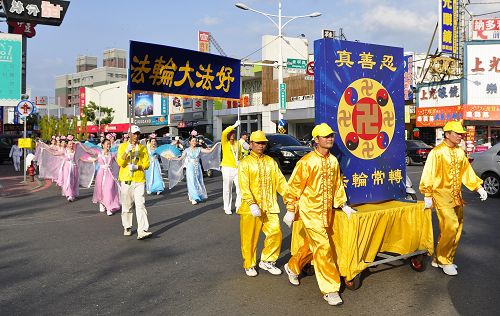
x=61, y=258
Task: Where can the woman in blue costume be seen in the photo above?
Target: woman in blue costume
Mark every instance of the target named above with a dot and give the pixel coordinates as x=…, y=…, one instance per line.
x=154, y=179
x=194, y=175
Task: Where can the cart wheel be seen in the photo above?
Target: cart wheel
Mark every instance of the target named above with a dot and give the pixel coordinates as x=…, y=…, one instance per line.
x=353, y=284
x=417, y=263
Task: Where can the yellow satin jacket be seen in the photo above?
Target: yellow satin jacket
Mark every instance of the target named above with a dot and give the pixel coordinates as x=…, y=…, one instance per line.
x=445, y=170
x=259, y=178
x=138, y=156
x=315, y=188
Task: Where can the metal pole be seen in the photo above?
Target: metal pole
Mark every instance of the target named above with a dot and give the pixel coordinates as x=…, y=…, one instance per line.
x=99, y=112
x=24, y=150
x=280, y=62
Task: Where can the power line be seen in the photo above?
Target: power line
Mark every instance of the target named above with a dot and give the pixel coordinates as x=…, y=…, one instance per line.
x=488, y=13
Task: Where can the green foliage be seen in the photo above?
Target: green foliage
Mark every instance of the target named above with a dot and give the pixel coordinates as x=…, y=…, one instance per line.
x=91, y=112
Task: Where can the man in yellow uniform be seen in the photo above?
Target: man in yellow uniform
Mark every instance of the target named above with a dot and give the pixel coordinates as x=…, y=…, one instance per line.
x=445, y=170
x=133, y=159
x=314, y=189
x=260, y=179
x=231, y=156
x=245, y=147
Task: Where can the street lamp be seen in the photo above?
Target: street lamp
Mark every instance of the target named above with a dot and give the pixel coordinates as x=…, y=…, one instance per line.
x=280, y=27
x=99, y=106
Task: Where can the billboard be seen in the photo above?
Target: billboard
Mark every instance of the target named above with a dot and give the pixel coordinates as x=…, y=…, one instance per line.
x=448, y=26
x=204, y=42
x=438, y=116
x=10, y=69
x=358, y=91
x=49, y=12
x=445, y=93
x=172, y=70
x=482, y=65
x=486, y=29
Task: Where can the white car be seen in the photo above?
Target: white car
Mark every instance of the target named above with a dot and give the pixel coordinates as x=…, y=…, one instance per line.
x=486, y=164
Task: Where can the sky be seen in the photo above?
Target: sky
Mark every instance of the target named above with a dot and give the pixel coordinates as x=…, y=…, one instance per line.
x=92, y=26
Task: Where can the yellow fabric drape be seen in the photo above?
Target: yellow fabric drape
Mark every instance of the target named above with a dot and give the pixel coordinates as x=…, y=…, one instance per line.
x=250, y=228
x=444, y=172
x=394, y=226
x=260, y=178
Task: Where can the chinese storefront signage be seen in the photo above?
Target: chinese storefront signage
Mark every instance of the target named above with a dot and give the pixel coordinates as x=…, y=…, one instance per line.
x=49, y=12
x=448, y=21
x=483, y=73
x=10, y=69
x=408, y=77
x=359, y=92
x=438, y=116
x=486, y=29
x=164, y=69
x=439, y=94
x=204, y=42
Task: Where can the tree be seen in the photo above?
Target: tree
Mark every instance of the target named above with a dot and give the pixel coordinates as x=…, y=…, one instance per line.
x=91, y=112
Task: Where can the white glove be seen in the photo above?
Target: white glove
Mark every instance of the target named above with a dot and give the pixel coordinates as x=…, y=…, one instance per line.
x=482, y=193
x=428, y=202
x=288, y=218
x=133, y=168
x=130, y=147
x=237, y=123
x=348, y=210
x=255, y=209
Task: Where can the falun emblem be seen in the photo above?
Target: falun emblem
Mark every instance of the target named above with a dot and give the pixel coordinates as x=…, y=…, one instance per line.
x=366, y=118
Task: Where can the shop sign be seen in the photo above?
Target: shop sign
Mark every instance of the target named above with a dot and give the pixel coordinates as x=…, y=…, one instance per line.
x=437, y=116
x=483, y=73
x=439, y=94
x=481, y=112
x=48, y=12
x=448, y=21
x=486, y=29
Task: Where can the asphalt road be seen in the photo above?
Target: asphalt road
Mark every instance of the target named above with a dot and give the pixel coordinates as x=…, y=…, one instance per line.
x=60, y=258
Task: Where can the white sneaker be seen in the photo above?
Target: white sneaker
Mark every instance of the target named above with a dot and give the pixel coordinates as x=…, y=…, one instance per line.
x=194, y=202
x=228, y=212
x=437, y=265
x=143, y=235
x=270, y=267
x=449, y=269
x=127, y=231
x=158, y=193
x=292, y=277
x=251, y=272
x=109, y=213
x=102, y=208
x=333, y=298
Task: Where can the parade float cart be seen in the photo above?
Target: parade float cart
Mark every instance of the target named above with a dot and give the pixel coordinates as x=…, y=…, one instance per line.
x=359, y=92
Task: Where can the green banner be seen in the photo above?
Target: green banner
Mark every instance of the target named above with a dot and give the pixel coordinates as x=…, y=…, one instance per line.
x=10, y=69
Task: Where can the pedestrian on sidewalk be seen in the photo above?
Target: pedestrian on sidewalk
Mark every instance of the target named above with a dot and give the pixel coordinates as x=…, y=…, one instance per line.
x=260, y=179
x=445, y=170
x=133, y=160
x=315, y=188
x=15, y=154
x=231, y=156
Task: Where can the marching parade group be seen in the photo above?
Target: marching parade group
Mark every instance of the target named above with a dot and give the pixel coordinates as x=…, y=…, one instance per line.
x=123, y=171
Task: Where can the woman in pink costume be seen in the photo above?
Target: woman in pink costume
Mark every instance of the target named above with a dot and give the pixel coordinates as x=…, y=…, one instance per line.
x=106, y=191
x=69, y=181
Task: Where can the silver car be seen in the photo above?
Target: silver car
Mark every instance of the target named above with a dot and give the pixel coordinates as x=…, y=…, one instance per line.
x=486, y=164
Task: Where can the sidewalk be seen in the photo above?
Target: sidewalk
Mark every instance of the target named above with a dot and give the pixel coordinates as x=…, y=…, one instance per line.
x=12, y=185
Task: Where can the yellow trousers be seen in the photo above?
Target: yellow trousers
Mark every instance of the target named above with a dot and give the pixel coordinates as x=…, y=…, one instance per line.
x=325, y=267
x=250, y=228
x=450, y=229
x=301, y=257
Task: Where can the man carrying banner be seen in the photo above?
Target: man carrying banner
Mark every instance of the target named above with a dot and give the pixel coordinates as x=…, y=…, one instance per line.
x=260, y=179
x=314, y=189
x=445, y=170
x=133, y=159
x=231, y=155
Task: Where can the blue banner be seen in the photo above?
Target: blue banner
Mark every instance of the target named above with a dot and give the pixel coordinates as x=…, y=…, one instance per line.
x=448, y=33
x=358, y=91
x=172, y=70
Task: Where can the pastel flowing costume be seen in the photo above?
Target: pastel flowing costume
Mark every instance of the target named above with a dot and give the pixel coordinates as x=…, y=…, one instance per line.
x=260, y=179
x=154, y=179
x=107, y=190
x=194, y=175
x=314, y=189
x=69, y=181
x=445, y=170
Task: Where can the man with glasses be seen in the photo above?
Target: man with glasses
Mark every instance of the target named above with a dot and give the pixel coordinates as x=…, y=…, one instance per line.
x=260, y=179
x=445, y=170
x=314, y=190
x=133, y=159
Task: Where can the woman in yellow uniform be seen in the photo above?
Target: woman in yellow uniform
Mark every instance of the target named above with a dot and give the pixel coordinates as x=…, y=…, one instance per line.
x=260, y=179
x=445, y=170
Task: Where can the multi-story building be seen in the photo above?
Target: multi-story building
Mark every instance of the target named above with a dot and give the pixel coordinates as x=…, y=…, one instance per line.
x=88, y=74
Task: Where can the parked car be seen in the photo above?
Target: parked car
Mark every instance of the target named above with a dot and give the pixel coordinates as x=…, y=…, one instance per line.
x=6, y=142
x=416, y=151
x=486, y=164
x=286, y=150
